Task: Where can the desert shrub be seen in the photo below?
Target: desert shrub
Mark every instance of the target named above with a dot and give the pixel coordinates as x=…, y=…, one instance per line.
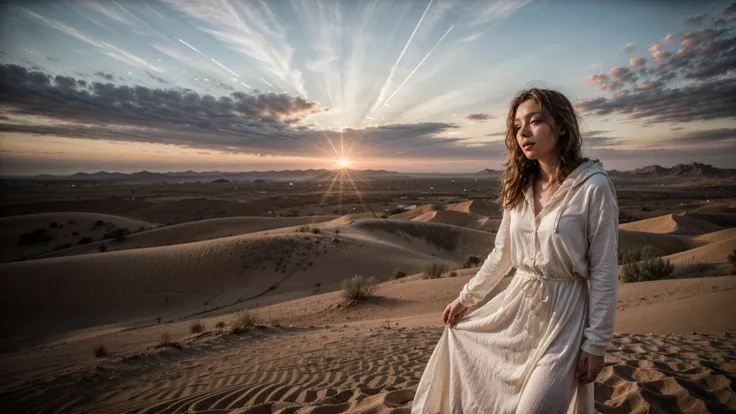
x=453, y=274
x=100, y=351
x=53, y=225
x=99, y=223
x=118, y=234
x=166, y=342
x=34, y=237
x=434, y=270
x=358, y=288
x=398, y=274
x=732, y=260
x=220, y=325
x=471, y=261
x=243, y=320
x=85, y=240
x=644, y=265
x=315, y=230
x=302, y=229
x=102, y=248
x=337, y=231
x=196, y=327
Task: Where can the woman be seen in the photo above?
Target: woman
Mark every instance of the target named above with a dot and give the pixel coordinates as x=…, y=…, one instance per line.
x=538, y=346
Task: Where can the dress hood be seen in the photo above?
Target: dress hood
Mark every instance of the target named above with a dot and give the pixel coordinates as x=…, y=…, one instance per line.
x=576, y=178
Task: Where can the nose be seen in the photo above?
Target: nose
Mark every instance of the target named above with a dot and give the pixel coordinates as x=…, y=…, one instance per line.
x=525, y=131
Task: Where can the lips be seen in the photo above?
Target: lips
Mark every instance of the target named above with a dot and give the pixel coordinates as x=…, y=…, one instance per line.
x=527, y=146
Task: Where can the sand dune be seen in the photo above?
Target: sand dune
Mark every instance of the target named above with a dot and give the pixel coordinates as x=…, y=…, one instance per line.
x=53, y=296
x=716, y=236
x=415, y=212
x=374, y=366
x=489, y=209
x=720, y=219
x=193, y=232
x=711, y=258
x=665, y=243
x=60, y=229
x=441, y=240
x=671, y=224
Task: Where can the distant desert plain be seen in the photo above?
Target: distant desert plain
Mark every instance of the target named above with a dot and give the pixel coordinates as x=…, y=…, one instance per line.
x=223, y=292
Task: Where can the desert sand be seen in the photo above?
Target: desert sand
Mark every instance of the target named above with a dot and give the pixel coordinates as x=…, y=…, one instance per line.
x=310, y=350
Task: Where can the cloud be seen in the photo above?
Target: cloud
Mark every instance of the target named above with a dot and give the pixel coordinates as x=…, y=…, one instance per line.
x=158, y=78
x=629, y=47
x=599, y=139
x=478, y=117
x=637, y=62
x=731, y=9
x=709, y=135
x=251, y=30
x=596, y=65
x=497, y=134
x=471, y=37
x=495, y=10
x=106, y=48
x=616, y=79
x=105, y=75
x=714, y=99
x=268, y=124
x=694, y=19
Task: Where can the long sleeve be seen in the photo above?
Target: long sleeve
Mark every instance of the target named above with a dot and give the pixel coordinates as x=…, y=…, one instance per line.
x=495, y=267
x=603, y=265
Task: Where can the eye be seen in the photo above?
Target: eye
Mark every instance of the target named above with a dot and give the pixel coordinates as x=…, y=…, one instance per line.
x=536, y=121
x=516, y=128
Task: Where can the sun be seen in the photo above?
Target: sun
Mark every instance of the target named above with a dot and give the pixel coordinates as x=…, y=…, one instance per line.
x=342, y=163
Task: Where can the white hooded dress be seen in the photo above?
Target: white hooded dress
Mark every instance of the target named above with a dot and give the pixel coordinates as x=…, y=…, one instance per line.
x=518, y=352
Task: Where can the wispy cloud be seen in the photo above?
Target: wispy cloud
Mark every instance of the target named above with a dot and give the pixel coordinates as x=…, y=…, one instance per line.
x=250, y=29
x=471, y=37
x=107, y=48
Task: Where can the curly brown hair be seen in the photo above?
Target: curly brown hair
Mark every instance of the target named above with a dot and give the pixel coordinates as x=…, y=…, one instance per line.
x=521, y=172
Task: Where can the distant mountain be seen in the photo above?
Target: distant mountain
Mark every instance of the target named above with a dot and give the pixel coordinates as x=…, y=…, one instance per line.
x=694, y=169
x=361, y=175
x=488, y=171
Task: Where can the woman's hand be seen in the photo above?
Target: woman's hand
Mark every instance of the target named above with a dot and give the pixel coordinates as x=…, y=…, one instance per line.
x=589, y=366
x=453, y=312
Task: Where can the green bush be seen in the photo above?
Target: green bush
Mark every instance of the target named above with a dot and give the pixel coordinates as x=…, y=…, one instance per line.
x=644, y=265
x=398, y=274
x=243, y=320
x=453, y=274
x=434, y=270
x=220, y=325
x=100, y=351
x=166, y=342
x=315, y=230
x=196, y=327
x=358, y=288
x=471, y=261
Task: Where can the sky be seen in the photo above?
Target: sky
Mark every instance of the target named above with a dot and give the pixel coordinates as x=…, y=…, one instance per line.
x=405, y=85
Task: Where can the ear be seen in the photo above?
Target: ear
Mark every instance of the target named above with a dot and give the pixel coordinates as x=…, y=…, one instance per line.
x=563, y=131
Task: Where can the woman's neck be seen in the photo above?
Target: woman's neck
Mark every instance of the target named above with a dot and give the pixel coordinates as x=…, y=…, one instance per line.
x=547, y=168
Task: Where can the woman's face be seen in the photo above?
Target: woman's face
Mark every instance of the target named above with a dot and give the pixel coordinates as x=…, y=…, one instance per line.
x=535, y=133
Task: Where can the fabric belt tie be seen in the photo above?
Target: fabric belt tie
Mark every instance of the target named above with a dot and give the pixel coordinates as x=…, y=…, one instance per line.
x=536, y=287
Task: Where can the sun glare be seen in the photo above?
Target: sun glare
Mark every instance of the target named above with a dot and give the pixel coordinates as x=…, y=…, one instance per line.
x=343, y=163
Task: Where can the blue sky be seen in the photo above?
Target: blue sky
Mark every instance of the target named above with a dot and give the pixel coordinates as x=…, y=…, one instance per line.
x=399, y=85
